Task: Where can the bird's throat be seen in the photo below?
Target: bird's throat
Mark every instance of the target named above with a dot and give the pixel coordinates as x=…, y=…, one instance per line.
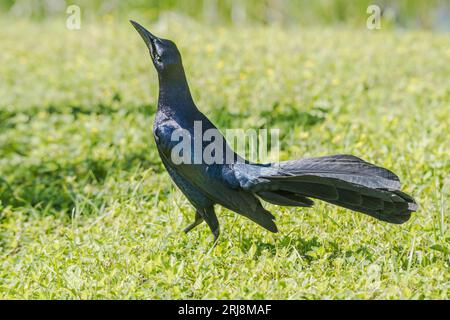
x=174, y=92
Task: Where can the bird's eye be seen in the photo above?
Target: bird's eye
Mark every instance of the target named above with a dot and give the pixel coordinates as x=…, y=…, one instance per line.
x=157, y=57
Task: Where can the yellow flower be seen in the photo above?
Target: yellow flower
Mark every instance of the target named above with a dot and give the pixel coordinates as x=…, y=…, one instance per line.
x=209, y=48
x=42, y=115
x=359, y=144
x=220, y=65
x=309, y=63
x=304, y=135
x=336, y=138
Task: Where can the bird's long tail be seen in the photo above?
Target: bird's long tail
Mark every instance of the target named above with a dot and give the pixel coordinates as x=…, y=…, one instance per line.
x=343, y=180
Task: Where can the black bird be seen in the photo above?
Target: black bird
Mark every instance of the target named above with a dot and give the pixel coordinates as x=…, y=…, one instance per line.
x=238, y=185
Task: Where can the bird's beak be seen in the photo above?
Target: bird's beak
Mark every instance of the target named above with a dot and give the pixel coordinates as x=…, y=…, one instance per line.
x=146, y=35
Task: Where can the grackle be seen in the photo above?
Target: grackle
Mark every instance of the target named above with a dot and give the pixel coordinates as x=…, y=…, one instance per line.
x=238, y=185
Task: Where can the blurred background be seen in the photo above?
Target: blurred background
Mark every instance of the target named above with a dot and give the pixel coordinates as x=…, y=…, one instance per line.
x=432, y=14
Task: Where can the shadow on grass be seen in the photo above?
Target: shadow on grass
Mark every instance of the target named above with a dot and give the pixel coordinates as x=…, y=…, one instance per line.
x=291, y=115
x=56, y=186
x=6, y=113
x=48, y=186
x=277, y=117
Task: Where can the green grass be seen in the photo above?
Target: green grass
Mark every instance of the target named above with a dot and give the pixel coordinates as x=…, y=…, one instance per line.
x=88, y=211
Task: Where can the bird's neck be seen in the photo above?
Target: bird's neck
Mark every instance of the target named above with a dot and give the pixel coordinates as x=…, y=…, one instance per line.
x=174, y=93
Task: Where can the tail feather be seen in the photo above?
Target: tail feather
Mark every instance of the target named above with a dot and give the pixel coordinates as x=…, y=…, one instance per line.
x=343, y=180
x=315, y=190
x=283, y=198
x=343, y=167
x=372, y=203
x=350, y=197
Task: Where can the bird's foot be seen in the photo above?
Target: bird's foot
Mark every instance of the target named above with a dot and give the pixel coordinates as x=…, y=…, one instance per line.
x=197, y=221
x=216, y=234
x=192, y=225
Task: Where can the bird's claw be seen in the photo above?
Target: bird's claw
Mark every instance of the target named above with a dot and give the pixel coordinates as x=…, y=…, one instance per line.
x=192, y=226
x=197, y=221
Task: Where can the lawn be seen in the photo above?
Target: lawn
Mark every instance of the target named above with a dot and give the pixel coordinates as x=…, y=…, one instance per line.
x=88, y=211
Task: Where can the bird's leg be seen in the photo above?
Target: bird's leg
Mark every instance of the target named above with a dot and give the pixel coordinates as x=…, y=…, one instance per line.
x=197, y=221
x=210, y=217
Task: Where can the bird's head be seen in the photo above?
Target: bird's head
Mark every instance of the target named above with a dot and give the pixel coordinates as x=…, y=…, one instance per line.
x=164, y=53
